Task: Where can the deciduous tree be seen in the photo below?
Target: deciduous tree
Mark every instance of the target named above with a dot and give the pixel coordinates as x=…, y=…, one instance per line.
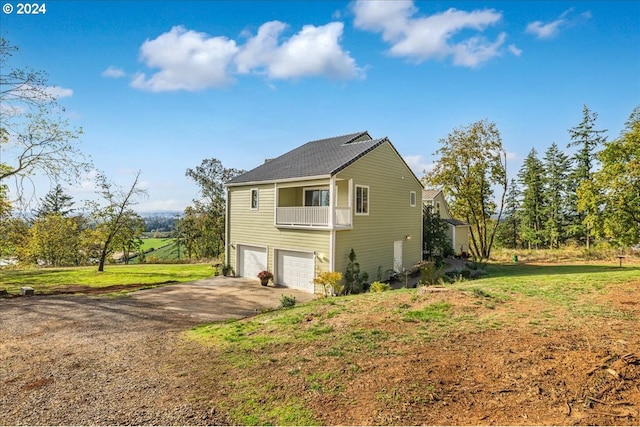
x=34, y=138
x=209, y=211
x=112, y=217
x=618, y=185
x=472, y=162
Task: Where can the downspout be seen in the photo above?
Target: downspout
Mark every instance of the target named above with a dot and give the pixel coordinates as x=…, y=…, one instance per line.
x=227, y=235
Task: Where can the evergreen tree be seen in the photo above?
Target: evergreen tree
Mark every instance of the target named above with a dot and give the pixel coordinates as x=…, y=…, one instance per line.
x=531, y=176
x=587, y=139
x=556, y=167
x=55, y=202
x=509, y=235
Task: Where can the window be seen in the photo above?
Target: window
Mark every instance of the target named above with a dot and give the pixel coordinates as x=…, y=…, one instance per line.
x=254, y=199
x=412, y=199
x=317, y=197
x=362, y=200
x=438, y=208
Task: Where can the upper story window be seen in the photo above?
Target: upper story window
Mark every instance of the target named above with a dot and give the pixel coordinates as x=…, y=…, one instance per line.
x=316, y=197
x=438, y=208
x=412, y=199
x=254, y=198
x=362, y=200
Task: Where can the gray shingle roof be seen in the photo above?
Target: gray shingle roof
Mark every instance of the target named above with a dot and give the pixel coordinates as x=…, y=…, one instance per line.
x=323, y=157
x=429, y=194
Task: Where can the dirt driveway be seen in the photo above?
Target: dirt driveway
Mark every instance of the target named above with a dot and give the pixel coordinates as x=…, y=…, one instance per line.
x=100, y=360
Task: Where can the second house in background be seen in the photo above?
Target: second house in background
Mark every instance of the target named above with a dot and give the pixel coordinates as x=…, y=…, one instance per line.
x=304, y=211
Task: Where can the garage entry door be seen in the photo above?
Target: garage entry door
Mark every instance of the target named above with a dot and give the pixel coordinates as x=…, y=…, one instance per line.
x=251, y=260
x=295, y=270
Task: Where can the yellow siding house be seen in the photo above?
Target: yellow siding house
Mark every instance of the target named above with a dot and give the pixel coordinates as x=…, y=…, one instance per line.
x=303, y=212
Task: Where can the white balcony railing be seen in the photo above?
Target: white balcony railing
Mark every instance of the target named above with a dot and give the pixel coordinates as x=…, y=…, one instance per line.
x=312, y=216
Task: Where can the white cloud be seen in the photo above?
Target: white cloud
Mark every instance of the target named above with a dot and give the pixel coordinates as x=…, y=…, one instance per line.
x=58, y=92
x=313, y=51
x=418, y=164
x=432, y=37
x=545, y=31
x=512, y=156
x=551, y=29
x=113, y=72
x=514, y=50
x=187, y=60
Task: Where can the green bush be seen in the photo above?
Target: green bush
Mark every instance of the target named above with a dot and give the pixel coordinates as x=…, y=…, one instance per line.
x=287, y=301
x=379, y=287
x=430, y=274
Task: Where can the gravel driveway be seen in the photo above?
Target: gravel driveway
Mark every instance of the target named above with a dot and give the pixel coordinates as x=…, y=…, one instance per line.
x=87, y=360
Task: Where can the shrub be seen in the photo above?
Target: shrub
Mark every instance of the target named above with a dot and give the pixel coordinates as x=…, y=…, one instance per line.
x=379, y=287
x=153, y=259
x=226, y=269
x=430, y=274
x=331, y=282
x=287, y=301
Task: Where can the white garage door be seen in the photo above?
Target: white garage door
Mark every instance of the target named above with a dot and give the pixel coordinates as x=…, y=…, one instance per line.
x=295, y=270
x=251, y=260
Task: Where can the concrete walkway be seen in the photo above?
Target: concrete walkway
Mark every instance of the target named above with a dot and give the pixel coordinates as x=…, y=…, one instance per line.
x=219, y=298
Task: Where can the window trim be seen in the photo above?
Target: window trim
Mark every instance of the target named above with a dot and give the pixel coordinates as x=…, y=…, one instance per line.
x=412, y=199
x=257, y=206
x=356, y=200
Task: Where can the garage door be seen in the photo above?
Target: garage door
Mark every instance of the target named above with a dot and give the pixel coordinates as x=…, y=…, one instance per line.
x=251, y=261
x=295, y=270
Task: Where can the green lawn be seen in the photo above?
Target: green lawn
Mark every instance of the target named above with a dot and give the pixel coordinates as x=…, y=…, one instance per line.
x=49, y=279
x=320, y=347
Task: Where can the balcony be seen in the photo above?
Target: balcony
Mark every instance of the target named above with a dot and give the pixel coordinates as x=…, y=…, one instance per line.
x=312, y=217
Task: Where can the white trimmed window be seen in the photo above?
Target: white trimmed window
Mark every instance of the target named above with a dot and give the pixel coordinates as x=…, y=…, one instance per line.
x=254, y=199
x=412, y=199
x=362, y=200
x=316, y=197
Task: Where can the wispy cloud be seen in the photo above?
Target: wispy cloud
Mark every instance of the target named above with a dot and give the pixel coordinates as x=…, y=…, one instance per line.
x=58, y=92
x=514, y=50
x=418, y=164
x=190, y=60
x=113, y=72
x=548, y=30
x=431, y=37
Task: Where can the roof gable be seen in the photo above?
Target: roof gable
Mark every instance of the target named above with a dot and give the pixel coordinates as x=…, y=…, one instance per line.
x=323, y=157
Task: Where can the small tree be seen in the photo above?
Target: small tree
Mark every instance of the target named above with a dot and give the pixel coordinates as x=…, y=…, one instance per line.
x=353, y=278
x=331, y=282
x=112, y=218
x=434, y=235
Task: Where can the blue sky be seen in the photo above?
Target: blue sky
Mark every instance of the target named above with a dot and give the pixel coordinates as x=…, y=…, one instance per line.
x=158, y=86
